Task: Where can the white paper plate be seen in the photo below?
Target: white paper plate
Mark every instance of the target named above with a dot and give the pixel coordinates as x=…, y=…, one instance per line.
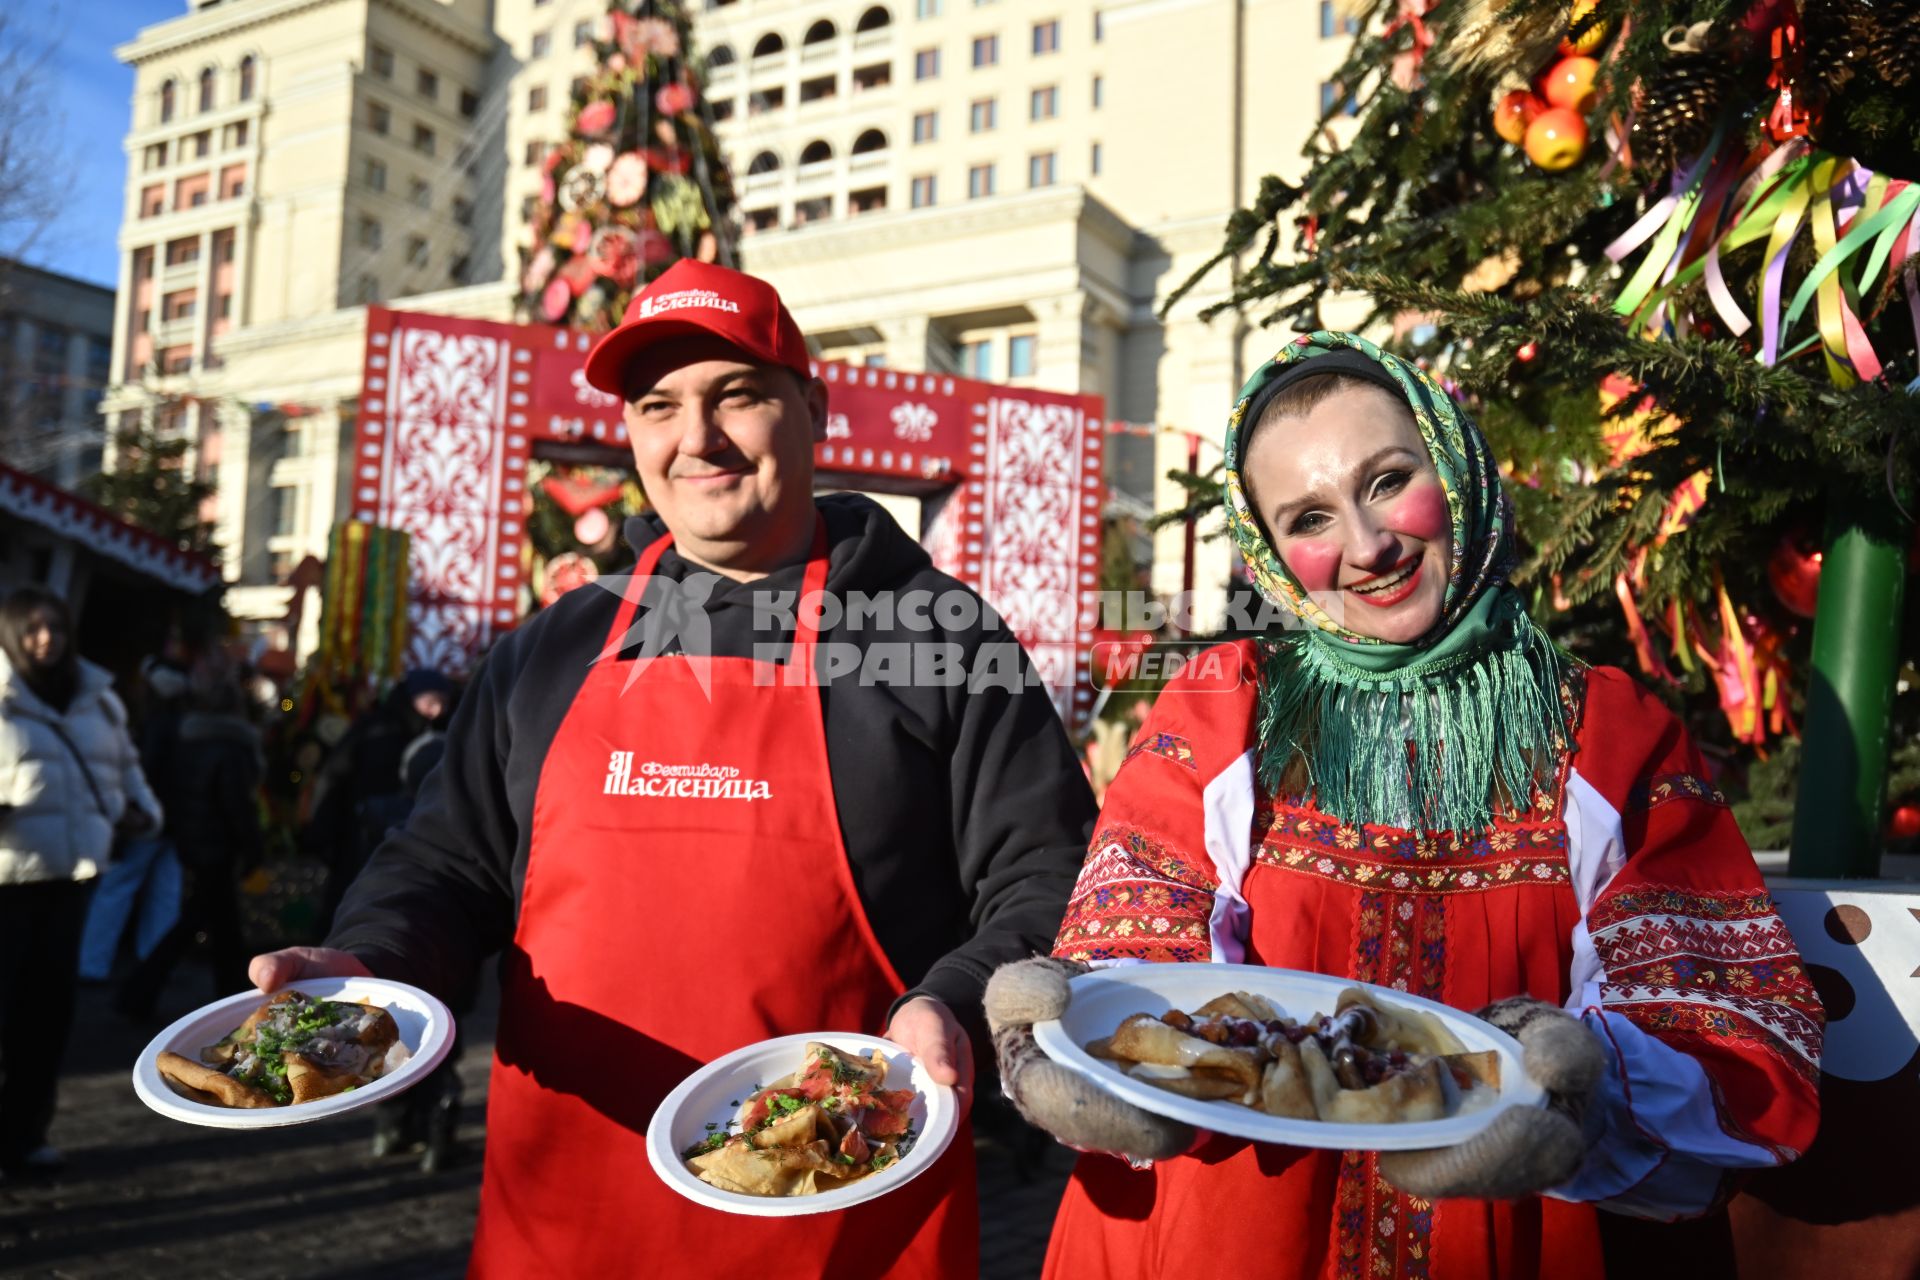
x=713, y=1094
x=426, y=1028
x=1101, y=999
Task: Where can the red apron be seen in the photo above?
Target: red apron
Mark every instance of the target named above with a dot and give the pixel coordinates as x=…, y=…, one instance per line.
x=660, y=931
x=1333, y=899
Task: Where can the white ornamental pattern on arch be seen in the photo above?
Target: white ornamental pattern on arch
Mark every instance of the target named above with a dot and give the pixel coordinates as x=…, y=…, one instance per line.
x=1032, y=570
x=443, y=485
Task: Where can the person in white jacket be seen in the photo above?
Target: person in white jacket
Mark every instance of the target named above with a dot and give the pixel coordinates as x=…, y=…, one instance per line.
x=70, y=781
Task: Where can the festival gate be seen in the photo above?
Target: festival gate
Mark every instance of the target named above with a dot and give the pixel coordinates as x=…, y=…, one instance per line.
x=451, y=410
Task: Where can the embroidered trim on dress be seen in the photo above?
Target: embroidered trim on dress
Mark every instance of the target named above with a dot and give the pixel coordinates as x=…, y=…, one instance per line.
x=1170, y=745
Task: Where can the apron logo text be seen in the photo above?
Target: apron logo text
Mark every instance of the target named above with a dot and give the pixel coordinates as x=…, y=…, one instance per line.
x=680, y=781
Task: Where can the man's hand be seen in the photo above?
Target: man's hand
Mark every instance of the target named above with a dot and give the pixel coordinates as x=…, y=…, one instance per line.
x=276, y=969
x=928, y=1030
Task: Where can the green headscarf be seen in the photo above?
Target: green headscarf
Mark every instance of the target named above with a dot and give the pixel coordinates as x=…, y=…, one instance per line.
x=1439, y=734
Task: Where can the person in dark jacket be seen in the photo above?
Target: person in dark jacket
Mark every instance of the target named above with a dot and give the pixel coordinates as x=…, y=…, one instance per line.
x=785, y=777
x=361, y=792
x=216, y=827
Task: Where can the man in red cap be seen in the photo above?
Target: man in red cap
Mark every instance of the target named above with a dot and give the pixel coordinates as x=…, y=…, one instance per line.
x=787, y=778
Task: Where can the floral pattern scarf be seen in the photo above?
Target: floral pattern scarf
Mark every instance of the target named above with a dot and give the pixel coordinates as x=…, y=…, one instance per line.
x=1444, y=733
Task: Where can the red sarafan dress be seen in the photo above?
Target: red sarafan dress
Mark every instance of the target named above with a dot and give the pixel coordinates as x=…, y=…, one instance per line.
x=1627, y=895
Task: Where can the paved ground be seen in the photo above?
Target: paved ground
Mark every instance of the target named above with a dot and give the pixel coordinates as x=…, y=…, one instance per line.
x=143, y=1196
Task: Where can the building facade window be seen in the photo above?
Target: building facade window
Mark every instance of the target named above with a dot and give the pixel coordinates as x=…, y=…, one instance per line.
x=1020, y=349
x=1099, y=92
x=722, y=108
x=982, y=116
x=986, y=51
x=582, y=34
x=763, y=219
x=379, y=119
x=421, y=193
x=167, y=92
x=1040, y=169
x=370, y=233
x=206, y=89
x=922, y=191
x=1046, y=103
x=423, y=140
x=416, y=251
x=926, y=9
x=926, y=64
x=537, y=98
x=818, y=209
x=1046, y=37
x=376, y=175
x=469, y=104
x=535, y=150
x=380, y=58
x=926, y=126
x=869, y=200
x=1332, y=24
x=976, y=359
x=979, y=181
x=463, y=211
x=202, y=144
x=155, y=156
x=247, y=67
x=427, y=84
x=1099, y=26
x=542, y=44
x=1093, y=160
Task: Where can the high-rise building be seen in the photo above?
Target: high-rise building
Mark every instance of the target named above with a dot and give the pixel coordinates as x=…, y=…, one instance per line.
x=1003, y=190
x=56, y=340
x=286, y=161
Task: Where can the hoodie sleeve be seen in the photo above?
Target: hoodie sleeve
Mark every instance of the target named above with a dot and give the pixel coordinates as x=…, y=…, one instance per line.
x=1022, y=813
x=437, y=896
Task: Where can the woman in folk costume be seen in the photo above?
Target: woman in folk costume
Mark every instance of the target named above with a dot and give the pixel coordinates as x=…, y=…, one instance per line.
x=1416, y=788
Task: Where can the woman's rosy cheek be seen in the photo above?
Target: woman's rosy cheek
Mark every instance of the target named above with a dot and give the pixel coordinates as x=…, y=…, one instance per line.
x=1420, y=512
x=1316, y=563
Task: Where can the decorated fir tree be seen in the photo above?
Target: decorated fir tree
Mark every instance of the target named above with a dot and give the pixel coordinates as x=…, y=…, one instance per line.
x=1668, y=250
x=637, y=185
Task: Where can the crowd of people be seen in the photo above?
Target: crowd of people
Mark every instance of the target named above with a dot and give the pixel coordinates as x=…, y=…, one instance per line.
x=677, y=839
x=127, y=827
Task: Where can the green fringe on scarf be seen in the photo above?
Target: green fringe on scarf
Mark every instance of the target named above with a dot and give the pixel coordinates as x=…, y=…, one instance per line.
x=1433, y=745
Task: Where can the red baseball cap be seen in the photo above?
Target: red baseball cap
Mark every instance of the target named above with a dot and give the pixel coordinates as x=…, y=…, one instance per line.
x=692, y=297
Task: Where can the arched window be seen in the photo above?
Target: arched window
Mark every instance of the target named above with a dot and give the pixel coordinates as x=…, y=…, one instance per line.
x=874, y=19
x=720, y=4
x=815, y=152
x=721, y=55
x=765, y=162
x=768, y=44
x=246, y=78
x=871, y=140
x=167, y=93
x=206, y=89
x=820, y=32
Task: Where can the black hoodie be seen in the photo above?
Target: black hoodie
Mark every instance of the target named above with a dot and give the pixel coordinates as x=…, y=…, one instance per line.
x=964, y=811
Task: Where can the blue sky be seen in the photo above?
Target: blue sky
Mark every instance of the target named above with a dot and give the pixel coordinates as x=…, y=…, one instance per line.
x=91, y=98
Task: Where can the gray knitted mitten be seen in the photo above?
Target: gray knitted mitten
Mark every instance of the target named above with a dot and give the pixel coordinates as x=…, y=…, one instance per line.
x=1067, y=1105
x=1526, y=1149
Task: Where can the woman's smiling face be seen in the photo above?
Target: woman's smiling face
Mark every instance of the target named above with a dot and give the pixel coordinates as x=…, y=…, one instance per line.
x=1355, y=510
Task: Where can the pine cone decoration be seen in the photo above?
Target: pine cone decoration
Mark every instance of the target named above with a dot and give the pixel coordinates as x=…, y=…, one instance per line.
x=1678, y=107
x=1878, y=36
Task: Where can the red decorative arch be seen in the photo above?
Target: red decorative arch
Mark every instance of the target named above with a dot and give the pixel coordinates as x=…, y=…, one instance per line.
x=451, y=410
